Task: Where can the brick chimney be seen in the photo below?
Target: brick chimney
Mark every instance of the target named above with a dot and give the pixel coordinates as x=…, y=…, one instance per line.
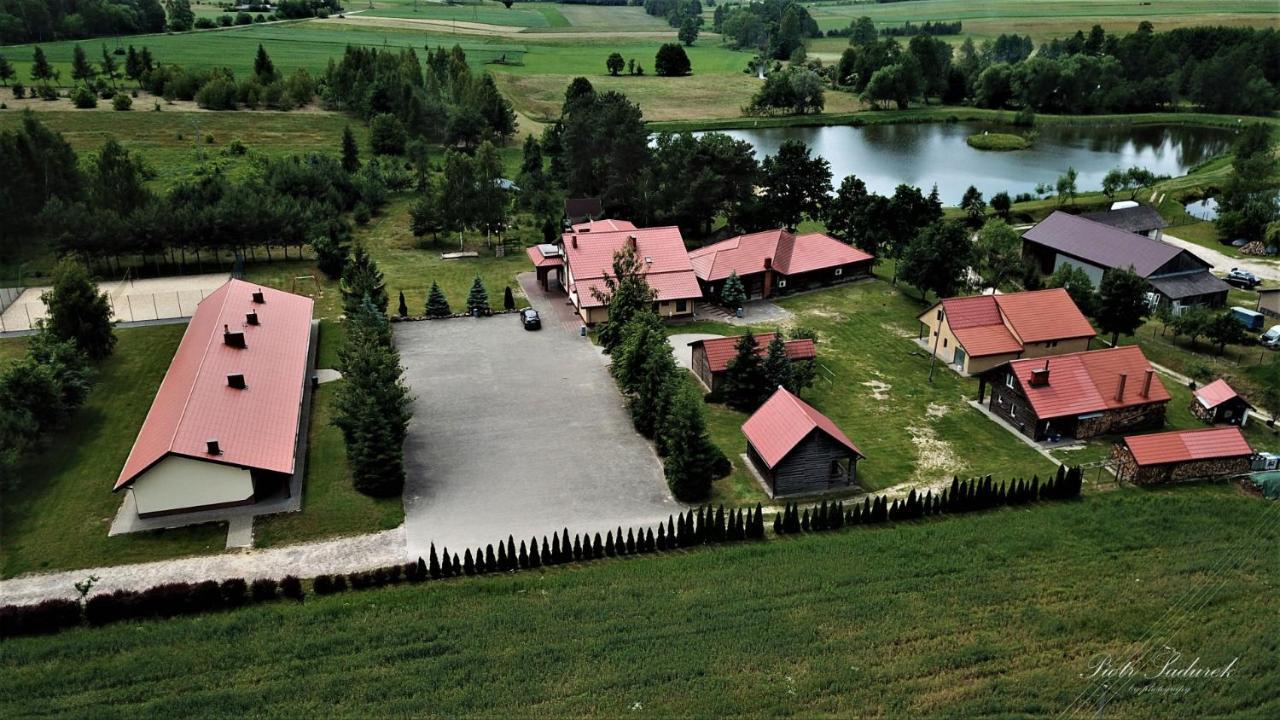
x=631, y=242
x=768, y=277
x=1120, y=388
x=1040, y=376
x=1146, y=383
x=574, y=239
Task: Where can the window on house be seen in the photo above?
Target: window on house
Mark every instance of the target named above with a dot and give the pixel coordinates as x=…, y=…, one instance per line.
x=1008, y=380
x=839, y=469
x=782, y=283
x=839, y=272
x=944, y=342
x=682, y=305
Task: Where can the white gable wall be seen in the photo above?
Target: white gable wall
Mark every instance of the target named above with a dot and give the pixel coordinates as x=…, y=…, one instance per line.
x=181, y=483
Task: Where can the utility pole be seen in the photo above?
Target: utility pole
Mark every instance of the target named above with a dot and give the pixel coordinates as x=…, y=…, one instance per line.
x=934, y=360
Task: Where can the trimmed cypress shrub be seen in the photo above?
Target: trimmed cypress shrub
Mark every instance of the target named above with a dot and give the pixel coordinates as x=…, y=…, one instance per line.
x=290, y=587
x=234, y=592
x=546, y=558
x=503, y=563
x=631, y=542
x=566, y=550
x=555, y=549
x=457, y=566
x=609, y=550
x=446, y=566
x=42, y=618
x=648, y=540
x=758, y=528
x=434, y=568
x=777, y=524
x=468, y=565
x=339, y=584
x=490, y=560
x=671, y=533
x=263, y=590
x=322, y=585
x=577, y=548
x=597, y=548
x=661, y=542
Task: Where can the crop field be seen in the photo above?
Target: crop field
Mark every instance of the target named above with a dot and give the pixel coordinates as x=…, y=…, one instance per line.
x=984, y=615
x=530, y=15
x=1047, y=19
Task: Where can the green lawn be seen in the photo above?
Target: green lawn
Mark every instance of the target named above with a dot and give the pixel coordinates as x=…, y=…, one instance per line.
x=915, y=431
x=57, y=514
x=330, y=505
x=490, y=13
x=997, y=615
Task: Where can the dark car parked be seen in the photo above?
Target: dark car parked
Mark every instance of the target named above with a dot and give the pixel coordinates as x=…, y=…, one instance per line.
x=529, y=318
x=1243, y=279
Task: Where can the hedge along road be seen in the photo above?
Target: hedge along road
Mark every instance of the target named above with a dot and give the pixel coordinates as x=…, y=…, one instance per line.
x=342, y=555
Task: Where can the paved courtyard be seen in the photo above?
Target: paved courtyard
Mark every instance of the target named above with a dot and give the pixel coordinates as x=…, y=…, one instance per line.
x=519, y=433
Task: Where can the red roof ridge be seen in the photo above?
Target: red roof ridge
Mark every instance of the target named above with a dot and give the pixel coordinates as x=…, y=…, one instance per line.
x=1187, y=445
x=204, y=356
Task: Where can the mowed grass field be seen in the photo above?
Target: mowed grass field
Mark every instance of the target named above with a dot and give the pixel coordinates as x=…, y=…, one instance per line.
x=874, y=385
x=1047, y=19
x=998, y=614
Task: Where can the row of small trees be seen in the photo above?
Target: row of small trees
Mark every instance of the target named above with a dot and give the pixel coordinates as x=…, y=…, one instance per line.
x=750, y=379
x=665, y=407
x=161, y=601
x=371, y=406
x=963, y=496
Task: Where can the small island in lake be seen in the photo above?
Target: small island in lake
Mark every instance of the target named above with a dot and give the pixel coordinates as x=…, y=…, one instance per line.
x=998, y=141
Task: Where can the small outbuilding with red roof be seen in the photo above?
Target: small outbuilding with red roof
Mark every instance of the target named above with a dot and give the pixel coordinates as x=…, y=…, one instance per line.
x=778, y=262
x=1181, y=455
x=1080, y=395
x=223, y=428
x=1217, y=403
x=798, y=450
x=980, y=332
x=710, y=357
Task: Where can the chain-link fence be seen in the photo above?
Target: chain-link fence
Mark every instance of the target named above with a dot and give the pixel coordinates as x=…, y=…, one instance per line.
x=130, y=301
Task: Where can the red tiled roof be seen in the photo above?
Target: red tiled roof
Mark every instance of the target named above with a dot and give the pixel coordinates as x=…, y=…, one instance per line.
x=1086, y=382
x=255, y=427
x=540, y=260
x=782, y=422
x=1215, y=393
x=790, y=254
x=1042, y=315
x=721, y=350
x=983, y=323
x=603, y=226
x=1187, y=445
x=661, y=249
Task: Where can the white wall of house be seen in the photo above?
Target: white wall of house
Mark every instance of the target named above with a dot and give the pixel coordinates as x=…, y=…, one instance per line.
x=178, y=483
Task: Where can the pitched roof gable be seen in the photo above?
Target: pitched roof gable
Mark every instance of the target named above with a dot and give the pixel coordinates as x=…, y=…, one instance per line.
x=1215, y=393
x=255, y=427
x=1188, y=445
x=1088, y=382
x=782, y=422
x=1101, y=244
x=789, y=254
x=1001, y=324
x=721, y=350
x=661, y=250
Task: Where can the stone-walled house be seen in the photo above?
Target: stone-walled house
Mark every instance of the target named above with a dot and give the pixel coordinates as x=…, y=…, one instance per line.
x=1181, y=455
x=1217, y=403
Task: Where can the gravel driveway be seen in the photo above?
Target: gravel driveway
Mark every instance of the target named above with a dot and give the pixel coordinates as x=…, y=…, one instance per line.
x=519, y=433
x=1265, y=269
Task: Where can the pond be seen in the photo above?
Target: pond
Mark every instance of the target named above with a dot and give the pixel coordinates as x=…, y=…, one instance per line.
x=1206, y=209
x=923, y=154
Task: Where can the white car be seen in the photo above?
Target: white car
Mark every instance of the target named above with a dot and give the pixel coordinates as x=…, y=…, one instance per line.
x=1271, y=338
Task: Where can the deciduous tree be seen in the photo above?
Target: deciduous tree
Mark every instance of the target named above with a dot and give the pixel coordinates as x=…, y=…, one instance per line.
x=78, y=312
x=1122, y=303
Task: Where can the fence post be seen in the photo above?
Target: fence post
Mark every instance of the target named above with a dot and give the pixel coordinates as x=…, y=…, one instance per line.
x=129, y=299
x=154, y=307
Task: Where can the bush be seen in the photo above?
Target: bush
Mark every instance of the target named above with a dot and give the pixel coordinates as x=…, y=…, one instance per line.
x=206, y=596
x=263, y=590
x=19, y=90
x=671, y=61
x=40, y=619
x=220, y=93
x=48, y=93
x=225, y=20
x=234, y=592
x=121, y=102
x=291, y=588
x=243, y=18
x=361, y=214
x=205, y=23
x=84, y=98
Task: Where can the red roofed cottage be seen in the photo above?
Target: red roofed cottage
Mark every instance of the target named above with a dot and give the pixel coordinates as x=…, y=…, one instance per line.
x=1181, y=455
x=777, y=261
x=798, y=450
x=1080, y=395
x=1217, y=403
x=588, y=258
x=980, y=332
x=223, y=428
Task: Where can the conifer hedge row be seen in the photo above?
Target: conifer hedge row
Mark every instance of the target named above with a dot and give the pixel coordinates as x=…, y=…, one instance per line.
x=963, y=496
x=705, y=526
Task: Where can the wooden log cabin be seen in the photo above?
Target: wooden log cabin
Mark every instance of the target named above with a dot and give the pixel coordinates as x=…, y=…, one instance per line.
x=797, y=450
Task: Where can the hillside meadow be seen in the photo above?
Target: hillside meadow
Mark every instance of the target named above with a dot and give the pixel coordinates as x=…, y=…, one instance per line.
x=1003, y=613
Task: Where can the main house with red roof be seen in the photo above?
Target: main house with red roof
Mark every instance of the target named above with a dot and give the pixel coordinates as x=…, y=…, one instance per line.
x=979, y=332
x=224, y=426
x=1218, y=402
x=1080, y=395
x=798, y=450
x=1181, y=455
x=588, y=258
x=710, y=357
x=778, y=261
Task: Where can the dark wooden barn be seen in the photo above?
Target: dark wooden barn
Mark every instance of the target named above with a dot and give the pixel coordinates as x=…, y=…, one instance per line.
x=1218, y=403
x=798, y=450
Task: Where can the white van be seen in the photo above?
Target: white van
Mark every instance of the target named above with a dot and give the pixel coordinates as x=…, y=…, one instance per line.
x=1271, y=338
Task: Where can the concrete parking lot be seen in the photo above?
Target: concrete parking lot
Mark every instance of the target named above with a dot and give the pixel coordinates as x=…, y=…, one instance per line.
x=518, y=432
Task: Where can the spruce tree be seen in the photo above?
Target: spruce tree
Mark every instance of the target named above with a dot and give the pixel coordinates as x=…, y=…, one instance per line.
x=555, y=548
x=350, y=151
x=733, y=295
x=263, y=69
x=468, y=564
x=662, y=537
x=504, y=564
x=745, y=386
x=490, y=560
x=403, y=310
x=546, y=557
x=437, y=304
x=41, y=71
x=759, y=523
x=478, y=299
x=523, y=556
x=690, y=465
x=81, y=69
x=631, y=541
x=777, y=369
x=434, y=567
x=362, y=277
x=508, y=300
x=577, y=548
x=648, y=540
x=421, y=569
x=446, y=568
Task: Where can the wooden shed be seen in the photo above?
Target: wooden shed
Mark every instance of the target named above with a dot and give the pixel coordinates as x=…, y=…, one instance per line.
x=1217, y=403
x=1181, y=455
x=798, y=450
x=711, y=356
